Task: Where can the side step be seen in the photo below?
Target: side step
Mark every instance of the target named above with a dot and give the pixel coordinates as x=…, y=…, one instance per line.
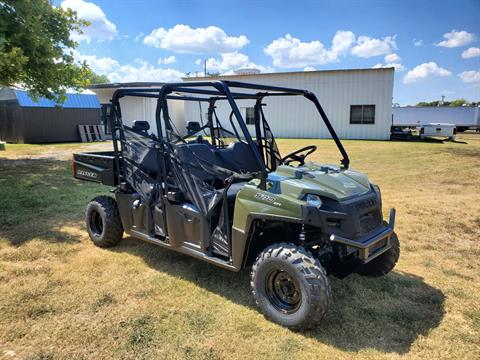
x=184, y=250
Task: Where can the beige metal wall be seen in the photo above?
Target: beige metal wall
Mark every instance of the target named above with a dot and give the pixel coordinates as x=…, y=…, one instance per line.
x=295, y=117
x=137, y=108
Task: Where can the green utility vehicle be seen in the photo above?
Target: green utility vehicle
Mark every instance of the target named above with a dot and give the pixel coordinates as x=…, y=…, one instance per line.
x=220, y=191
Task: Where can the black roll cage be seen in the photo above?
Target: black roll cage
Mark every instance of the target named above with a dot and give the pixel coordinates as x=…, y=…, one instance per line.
x=177, y=91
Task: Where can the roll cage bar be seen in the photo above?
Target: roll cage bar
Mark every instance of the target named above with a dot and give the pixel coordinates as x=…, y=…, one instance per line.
x=190, y=91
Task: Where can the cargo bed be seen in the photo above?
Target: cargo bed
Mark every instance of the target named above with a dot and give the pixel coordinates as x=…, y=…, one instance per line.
x=95, y=166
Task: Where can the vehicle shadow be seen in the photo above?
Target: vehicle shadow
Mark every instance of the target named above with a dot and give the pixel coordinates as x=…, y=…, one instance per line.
x=387, y=314
x=419, y=140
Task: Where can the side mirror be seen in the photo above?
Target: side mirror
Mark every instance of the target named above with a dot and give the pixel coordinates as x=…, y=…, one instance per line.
x=139, y=125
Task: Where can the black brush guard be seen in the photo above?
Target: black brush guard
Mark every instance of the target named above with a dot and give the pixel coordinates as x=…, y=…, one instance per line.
x=371, y=247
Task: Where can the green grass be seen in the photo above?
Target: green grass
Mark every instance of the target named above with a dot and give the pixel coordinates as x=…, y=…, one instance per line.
x=61, y=297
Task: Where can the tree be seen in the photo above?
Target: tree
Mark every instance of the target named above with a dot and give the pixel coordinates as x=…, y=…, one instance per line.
x=94, y=78
x=36, y=51
x=458, y=102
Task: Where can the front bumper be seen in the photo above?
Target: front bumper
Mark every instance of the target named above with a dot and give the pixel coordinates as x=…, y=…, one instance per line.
x=370, y=247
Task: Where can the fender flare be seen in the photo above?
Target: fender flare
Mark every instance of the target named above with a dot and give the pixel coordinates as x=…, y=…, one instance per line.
x=241, y=239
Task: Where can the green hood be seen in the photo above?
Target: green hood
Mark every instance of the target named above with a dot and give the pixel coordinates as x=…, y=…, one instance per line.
x=325, y=180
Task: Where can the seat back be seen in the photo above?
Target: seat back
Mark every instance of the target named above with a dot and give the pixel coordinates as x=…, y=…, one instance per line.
x=197, y=155
x=238, y=157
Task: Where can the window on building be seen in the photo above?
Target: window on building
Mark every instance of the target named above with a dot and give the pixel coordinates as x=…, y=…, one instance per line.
x=250, y=115
x=362, y=114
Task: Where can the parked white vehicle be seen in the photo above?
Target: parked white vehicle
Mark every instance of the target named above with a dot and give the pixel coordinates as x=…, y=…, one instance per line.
x=438, y=130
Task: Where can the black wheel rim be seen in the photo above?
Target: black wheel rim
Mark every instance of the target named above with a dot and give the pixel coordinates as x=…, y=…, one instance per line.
x=283, y=291
x=95, y=223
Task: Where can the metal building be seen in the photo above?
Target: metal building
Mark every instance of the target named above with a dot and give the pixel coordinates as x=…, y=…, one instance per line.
x=463, y=117
x=358, y=102
x=136, y=108
x=23, y=120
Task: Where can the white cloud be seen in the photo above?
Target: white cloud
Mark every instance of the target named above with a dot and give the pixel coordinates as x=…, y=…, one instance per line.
x=290, y=52
x=392, y=58
x=456, y=38
x=397, y=66
x=99, y=65
x=417, y=42
x=471, y=52
x=367, y=47
x=116, y=72
x=139, y=36
x=309, y=68
x=228, y=61
x=424, y=71
x=232, y=61
x=342, y=41
x=471, y=76
x=167, y=60
x=100, y=27
x=184, y=39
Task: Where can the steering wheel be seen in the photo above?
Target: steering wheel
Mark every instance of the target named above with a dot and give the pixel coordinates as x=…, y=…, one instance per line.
x=298, y=156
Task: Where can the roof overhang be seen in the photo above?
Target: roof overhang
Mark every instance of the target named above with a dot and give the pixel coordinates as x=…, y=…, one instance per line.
x=125, y=85
x=215, y=77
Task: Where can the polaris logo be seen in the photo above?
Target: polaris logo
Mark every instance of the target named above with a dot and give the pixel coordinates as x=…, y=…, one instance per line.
x=88, y=174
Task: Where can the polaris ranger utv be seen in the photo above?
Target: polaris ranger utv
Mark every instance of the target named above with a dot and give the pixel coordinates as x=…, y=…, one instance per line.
x=220, y=191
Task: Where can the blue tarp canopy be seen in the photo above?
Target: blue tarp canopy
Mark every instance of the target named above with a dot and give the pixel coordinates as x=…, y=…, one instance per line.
x=75, y=101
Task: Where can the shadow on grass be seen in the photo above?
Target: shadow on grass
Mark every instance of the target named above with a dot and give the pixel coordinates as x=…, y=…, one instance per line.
x=38, y=196
x=418, y=140
x=387, y=314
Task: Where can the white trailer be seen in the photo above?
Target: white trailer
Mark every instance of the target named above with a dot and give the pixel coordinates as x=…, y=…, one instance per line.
x=463, y=117
x=438, y=130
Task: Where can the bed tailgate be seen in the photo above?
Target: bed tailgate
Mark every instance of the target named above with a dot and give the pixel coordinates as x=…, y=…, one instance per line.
x=95, y=166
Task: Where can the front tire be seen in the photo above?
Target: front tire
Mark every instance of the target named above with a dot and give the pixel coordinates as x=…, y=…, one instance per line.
x=104, y=225
x=290, y=286
x=385, y=263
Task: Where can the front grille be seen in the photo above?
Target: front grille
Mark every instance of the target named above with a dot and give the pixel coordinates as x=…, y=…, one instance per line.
x=366, y=204
x=369, y=221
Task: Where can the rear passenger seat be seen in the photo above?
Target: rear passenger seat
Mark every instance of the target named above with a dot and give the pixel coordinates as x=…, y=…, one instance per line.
x=236, y=157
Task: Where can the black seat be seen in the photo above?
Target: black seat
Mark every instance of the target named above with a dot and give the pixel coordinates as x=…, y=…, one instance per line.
x=198, y=155
x=238, y=157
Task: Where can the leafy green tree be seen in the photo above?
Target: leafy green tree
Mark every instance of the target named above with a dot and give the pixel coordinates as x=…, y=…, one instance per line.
x=36, y=50
x=424, y=103
x=94, y=78
x=458, y=102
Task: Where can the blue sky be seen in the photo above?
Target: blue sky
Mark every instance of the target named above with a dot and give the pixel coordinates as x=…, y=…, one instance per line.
x=434, y=45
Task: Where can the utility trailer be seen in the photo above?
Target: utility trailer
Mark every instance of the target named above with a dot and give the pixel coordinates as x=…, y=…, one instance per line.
x=462, y=117
x=231, y=199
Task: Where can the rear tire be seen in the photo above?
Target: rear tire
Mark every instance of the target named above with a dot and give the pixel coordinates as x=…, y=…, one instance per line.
x=290, y=286
x=385, y=263
x=104, y=225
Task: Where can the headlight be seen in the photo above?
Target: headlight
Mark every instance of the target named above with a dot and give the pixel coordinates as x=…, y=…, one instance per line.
x=313, y=200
